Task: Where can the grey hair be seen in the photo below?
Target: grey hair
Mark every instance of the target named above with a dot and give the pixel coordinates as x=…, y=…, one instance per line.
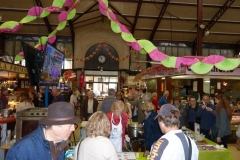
x=147, y=97
x=55, y=89
x=165, y=92
x=111, y=92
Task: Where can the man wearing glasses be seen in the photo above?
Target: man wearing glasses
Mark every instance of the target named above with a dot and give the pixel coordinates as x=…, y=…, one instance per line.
x=208, y=120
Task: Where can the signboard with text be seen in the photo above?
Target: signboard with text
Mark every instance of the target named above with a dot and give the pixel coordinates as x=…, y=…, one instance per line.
x=4, y=66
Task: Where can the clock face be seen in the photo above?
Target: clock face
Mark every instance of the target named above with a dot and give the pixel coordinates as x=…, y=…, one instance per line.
x=101, y=59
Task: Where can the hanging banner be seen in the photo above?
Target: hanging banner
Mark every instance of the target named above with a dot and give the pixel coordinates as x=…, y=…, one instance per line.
x=13, y=68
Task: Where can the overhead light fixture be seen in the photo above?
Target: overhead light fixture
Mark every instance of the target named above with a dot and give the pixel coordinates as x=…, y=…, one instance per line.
x=206, y=33
x=202, y=26
x=207, y=81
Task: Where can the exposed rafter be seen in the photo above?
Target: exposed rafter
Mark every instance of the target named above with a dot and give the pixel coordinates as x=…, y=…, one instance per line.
x=120, y=14
x=215, y=18
x=174, y=3
x=218, y=15
x=45, y=19
x=89, y=9
x=136, y=15
x=164, y=7
x=88, y=19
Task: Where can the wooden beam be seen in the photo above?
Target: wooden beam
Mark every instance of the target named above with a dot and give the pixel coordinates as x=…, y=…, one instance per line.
x=87, y=19
x=120, y=14
x=45, y=19
x=136, y=15
x=79, y=16
x=164, y=7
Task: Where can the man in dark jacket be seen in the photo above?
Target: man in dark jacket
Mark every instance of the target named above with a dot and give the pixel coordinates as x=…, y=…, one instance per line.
x=48, y=141
x=57, y=96
x=89, y=106
x=208, y=120
x=107, y=102
x=192, y=113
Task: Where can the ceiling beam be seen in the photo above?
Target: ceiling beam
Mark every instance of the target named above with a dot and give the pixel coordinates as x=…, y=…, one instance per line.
x=136, y=15
x=174, y=3
x=218, y=15
x=89, y=9
x=120, y=14
x=215, y=18
x=164, y=7
x=26, y=10
x=35, y=24
x=180, y=19
x=45, y=19
x=87, y=20
x=87, y=24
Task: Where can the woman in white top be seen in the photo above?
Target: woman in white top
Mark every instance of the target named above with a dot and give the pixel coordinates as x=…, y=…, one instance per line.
x=74, y=97
x=96, y=145
x=24, y=102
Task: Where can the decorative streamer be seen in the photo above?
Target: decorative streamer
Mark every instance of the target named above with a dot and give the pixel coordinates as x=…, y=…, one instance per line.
x=34, y=12
x=102, y=42
x=145, y=46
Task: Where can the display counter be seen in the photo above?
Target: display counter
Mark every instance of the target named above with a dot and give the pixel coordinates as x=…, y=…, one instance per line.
x=223, y=154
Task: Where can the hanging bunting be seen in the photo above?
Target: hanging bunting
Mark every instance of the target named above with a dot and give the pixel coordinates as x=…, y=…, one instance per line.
x=145, y=46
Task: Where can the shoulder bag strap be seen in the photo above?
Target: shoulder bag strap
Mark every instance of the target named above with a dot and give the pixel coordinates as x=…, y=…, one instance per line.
x=78, y=148
x=190, y=148
x=187, y=148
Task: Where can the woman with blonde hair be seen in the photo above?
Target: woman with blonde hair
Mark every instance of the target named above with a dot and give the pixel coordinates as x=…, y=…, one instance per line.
x=24, y=102
x=74, y=97
x=118, y=122
x=96, y=145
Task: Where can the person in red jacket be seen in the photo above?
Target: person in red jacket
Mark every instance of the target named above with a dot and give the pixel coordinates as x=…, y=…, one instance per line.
x=155, y=101
x=118, y=122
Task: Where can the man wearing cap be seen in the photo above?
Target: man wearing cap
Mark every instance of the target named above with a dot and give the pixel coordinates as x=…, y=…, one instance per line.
x=174, y=145
x=3, y=98
x=48, y=141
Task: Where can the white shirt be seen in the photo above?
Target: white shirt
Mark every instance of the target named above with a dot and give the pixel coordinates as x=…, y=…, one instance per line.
x=90, y=106
x=73, y=99
x=174, y=149
x=99, y=148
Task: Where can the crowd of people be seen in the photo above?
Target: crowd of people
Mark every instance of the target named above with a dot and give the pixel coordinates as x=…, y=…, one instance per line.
x=107, y=124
